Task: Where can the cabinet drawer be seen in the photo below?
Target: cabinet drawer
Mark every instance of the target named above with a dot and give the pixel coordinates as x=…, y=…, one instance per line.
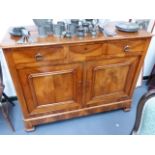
x=37, y=54
x=126, y=46
x=86, y=51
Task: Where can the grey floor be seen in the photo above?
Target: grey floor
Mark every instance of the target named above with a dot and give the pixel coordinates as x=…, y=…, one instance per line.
x=109, y=123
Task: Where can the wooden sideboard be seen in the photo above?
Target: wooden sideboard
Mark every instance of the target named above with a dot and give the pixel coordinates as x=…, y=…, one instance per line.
x=58, y=79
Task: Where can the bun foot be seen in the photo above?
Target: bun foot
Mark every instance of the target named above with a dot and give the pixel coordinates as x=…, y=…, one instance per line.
x=127, y=109
x=29, y=127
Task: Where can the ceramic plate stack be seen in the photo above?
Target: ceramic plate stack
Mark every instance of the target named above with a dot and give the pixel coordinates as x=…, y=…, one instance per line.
x=127, y=27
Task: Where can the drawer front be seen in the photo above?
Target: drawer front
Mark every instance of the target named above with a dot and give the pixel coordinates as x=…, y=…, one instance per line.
x=126, y=47
x=86, y=51
x=37, y=54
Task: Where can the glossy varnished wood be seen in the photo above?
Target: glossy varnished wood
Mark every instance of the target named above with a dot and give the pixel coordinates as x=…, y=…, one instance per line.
x=110, y=79
x=135, y=46
x=51, y=88
x=11, y=42
x=32, y=55
x=58, y=79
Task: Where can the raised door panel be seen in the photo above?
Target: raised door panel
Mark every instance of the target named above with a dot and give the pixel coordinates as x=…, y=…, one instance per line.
x=110, y=80
x=52, y=88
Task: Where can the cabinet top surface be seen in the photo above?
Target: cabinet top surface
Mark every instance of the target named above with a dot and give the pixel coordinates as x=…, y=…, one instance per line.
x=11, y=42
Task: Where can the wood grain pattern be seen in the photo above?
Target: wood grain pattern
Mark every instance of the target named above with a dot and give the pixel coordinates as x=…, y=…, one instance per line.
x=58, y=79
x=29, y=55
x=52, y=87
x=10, y=41
x=110, y=79
x=118, y=47
x=86, y=52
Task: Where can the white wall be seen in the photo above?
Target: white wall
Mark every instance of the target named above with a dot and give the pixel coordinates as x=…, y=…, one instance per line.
x=9, y=87
x=150, y=57
x=4, y=25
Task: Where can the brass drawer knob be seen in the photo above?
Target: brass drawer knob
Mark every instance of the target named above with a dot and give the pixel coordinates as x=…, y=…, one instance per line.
x=127, y=48
x=39, y=57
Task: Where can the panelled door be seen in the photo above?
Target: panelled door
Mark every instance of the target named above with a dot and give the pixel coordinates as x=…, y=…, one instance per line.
x=52, y=88
x=109, y=80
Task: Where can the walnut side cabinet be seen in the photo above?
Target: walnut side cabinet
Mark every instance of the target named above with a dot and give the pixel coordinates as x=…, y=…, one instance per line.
x=58, y=79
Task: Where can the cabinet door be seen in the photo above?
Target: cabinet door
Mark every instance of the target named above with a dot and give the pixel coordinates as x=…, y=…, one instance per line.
x=110, y=80
x=48, y=89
